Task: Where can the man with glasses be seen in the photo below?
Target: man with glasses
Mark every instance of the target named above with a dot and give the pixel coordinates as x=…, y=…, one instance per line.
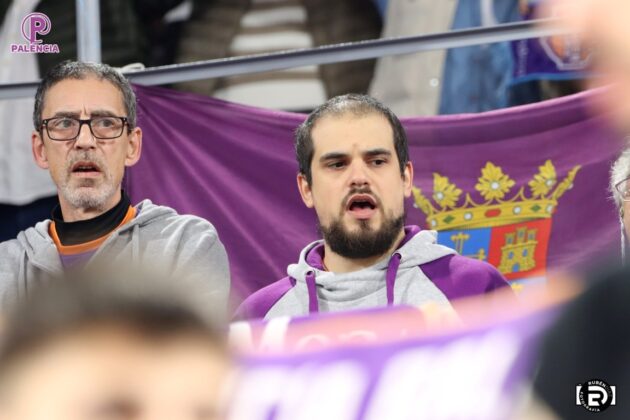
x=85, y=135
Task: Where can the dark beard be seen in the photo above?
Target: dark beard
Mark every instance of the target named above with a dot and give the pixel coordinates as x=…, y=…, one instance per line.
x=366, y=242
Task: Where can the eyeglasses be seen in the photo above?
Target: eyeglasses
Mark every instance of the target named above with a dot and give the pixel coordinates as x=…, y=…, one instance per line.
x=623, y=188
x=68, y=128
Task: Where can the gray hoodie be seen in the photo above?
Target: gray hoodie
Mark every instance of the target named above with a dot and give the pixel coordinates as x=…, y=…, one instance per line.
x=418, y=272
x=178, y=246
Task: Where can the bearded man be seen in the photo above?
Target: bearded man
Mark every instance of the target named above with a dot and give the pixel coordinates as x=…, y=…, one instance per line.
x=86, y=135
x=354, y=170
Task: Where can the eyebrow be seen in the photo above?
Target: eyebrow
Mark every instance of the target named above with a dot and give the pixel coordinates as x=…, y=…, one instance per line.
x=377, y=152
x=333, y=156
x=367, y=153
x=66, y=114
x=102, y=113
x=72, y=114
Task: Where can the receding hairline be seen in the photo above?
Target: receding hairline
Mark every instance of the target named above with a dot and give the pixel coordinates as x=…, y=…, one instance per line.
x=350, y=105
x=69, y=70
x=83, y=78
x=354, y=114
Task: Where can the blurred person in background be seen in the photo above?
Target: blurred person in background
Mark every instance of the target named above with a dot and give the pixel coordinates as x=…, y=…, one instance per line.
x=583, y=370
x=584, y=358
x=411, y=84
x=95, y=219
x=588, y=342
x=475, y=78
x=547, y=67
x=604, y=24
x=457, y=80
x=231, y=28
x=96, y=348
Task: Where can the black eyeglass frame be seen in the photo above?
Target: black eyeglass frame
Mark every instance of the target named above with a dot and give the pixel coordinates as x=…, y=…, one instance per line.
x=124, y=120
x=621, y=191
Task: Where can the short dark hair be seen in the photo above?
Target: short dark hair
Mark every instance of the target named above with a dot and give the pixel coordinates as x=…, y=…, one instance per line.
x=80, y=70
x=78, y=303
x=356, y=104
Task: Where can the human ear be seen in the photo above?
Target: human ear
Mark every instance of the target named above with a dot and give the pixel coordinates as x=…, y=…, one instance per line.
x=134, y=147
x=39, y=150
x=305, y=190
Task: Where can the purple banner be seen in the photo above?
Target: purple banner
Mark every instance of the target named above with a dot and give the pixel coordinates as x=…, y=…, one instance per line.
x=481, y=372
x=524, y=188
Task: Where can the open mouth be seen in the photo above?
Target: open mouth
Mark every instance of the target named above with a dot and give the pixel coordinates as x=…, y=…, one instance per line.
x=85, y=167
x=361, y=206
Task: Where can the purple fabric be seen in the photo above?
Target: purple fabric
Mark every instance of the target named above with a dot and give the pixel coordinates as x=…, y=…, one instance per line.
x=390, y=277
x=410, y=232
x=443, y=370
x=315, y=257
x=73, y=260
x=257, y=305
x=459, y=277
x=454, y=275
x=313, y=303
x=235, y=166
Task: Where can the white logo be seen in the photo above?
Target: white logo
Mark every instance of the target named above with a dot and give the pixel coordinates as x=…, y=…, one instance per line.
x=595, y=395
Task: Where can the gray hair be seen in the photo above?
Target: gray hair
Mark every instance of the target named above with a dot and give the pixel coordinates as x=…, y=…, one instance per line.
x=81, y=70
x=620, y=170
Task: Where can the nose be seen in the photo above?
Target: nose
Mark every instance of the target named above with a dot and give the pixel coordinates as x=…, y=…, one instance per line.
x=85, y=139
x=358, y=175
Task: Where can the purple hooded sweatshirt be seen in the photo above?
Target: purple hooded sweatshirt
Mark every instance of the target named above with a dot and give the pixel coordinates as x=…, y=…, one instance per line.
x=420, y=271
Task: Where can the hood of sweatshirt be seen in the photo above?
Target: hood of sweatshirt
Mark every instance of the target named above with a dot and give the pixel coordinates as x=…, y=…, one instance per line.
x=41, y=250
x=418, y=247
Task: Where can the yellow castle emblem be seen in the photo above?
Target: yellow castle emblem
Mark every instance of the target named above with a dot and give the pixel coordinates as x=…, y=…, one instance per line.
x=518, y=250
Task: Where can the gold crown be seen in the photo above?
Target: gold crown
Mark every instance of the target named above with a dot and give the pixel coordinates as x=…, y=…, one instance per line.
x=497, y=210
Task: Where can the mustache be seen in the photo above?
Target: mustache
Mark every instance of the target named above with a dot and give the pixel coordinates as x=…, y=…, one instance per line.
x=355, y=191
x=86, y=157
